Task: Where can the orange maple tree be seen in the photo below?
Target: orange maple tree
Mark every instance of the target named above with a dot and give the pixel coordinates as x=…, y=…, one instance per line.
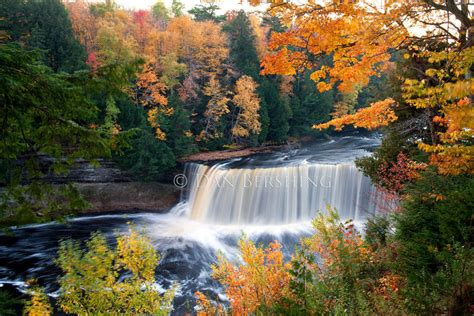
x=360, y=35
x=263, y=279
x=378, y=114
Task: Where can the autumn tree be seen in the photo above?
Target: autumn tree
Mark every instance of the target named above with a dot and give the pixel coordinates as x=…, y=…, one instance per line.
x=92, y=282
x=114, y=42
x=83, y=23
x=216, y=108
x=150, y=93
x=200, y=45
x=359, y=36
x=39, y=304
x=246, y=104
x=260, y=282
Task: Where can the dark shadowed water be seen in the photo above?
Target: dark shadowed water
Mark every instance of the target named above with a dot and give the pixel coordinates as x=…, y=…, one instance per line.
x=208, y=220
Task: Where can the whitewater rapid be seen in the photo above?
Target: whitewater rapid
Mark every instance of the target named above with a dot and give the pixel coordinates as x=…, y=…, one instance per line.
x=221, y=203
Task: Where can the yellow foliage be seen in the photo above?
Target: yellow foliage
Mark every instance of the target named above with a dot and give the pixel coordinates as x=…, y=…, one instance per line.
x=216, y=107
x=248, y=103
x=376, y=115
x=91, y=283
x=355, y=35
x=451, y=97
x=151, y=94
x=39, y=303
x=200, y=44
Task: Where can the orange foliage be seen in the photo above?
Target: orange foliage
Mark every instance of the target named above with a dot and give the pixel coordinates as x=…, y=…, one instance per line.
x=83, y=23
x=206, y=308
x=357, y=36
x=152, y=89
x=262, y=279
x=201, y=45
x=376, y=115
x=151, y=94
x=452, y=152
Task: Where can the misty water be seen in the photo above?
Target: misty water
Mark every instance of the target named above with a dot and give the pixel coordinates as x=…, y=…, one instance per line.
x=264, y=197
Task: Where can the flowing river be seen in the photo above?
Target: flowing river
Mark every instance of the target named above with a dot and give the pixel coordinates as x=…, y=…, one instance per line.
x=266, y=197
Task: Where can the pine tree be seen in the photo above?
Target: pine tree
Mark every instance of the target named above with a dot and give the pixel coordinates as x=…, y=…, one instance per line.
x=45, y=25
x=279, y=111
x=243, y=52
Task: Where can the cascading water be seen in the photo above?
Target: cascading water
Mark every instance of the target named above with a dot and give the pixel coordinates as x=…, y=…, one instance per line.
x=276, y=195
x=266, y=197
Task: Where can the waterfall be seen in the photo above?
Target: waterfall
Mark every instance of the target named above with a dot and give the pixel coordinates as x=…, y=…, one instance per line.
x=276, y=195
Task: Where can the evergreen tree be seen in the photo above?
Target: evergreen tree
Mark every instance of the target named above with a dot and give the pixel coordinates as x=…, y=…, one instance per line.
x=177, y=8
x=179, y=137
x=243, y=52
x=309, y=106
x=206, y=12
x=279, y=111
x=45, y=25
x=144, y=157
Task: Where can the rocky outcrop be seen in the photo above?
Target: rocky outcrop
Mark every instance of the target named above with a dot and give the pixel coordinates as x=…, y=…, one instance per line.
x=82, y=171
x=129, y=196
x=107, y=188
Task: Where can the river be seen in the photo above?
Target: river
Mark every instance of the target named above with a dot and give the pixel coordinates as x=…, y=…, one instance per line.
x=266, y=197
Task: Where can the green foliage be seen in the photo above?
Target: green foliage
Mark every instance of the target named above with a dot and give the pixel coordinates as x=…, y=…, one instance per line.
x=160, y=12
x=143, y=157
x=42, y=113
x=309, y=106
x=378, y=231
x=146, y=159
x=435, y=232
x=177, y=8
x=243, y=52
x=44, y=25
x=279, y=111
x=8, y=303
x=99, y=9
x=178, y=127
x=392, y=144
x=101, y=280
x=206, y=12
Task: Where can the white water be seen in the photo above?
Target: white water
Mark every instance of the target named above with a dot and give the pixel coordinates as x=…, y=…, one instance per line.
x=277, y=195
x=265, y=198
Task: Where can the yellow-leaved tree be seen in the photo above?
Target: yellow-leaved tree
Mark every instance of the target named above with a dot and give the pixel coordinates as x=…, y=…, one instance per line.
x=39, y=304
x=216, y=108
x=247, y=103
x=105, y=281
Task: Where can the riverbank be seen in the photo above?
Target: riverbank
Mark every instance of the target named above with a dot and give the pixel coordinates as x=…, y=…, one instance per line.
x=239, y=152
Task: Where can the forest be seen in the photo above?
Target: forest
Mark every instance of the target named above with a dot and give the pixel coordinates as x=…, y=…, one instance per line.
x=145, y=89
